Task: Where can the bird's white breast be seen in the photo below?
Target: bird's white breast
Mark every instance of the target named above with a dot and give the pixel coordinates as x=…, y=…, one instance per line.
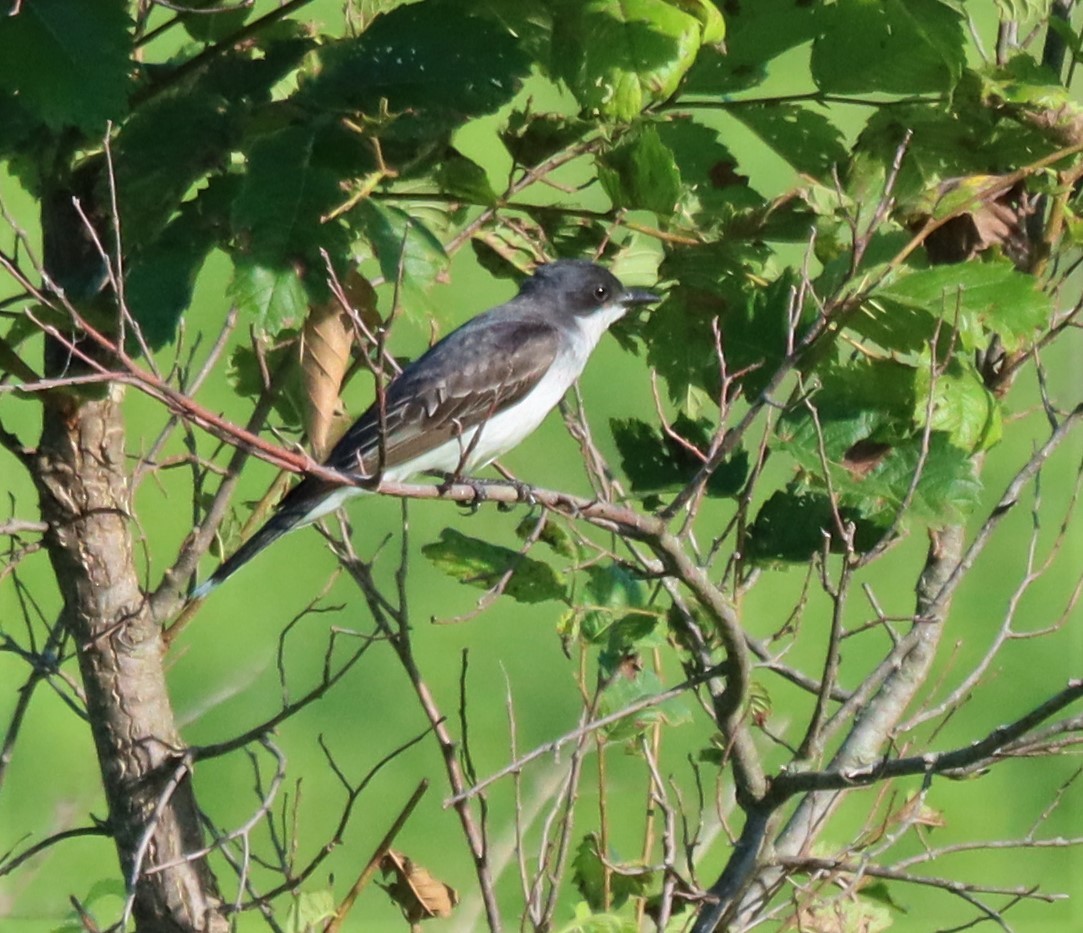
x=505, y=429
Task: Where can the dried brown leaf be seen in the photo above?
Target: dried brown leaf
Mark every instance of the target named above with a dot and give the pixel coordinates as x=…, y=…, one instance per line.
x=326, y=340
x=864, y=457
x=415, y=890
x=999, y=220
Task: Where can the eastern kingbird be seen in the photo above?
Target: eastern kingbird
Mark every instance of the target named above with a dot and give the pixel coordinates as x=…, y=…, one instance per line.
x=470, y=398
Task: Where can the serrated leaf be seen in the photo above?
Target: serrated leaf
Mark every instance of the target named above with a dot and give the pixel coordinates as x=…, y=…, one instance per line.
x=274, y=297
x=531, y=138
x=962, y=407
x=756, y=33
x=975, y=295
x=609, y=593
x=285, y=193
x=639, y=173
x=654, y=461
x=161, y=277
x=153, y=172
x=245, y=74
x=68, y=61
x=619, y=56
x=893, y=46
x=805, y=138
x=680, y=342
x=481, y=564
x=405, y=248
x=793, y=525
x=461, y=177
x=246, y=375
x=406, y=66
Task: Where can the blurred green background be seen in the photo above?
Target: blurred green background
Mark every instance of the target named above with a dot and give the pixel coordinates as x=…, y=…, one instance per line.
x=223, y=676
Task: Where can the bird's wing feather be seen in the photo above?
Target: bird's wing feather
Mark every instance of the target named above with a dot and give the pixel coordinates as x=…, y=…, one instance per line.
x=460, y=383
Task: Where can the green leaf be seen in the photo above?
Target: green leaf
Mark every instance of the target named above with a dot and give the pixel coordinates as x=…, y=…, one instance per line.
x=865, y=427
x=962, y=407
x=627, y=688
x=554, y=534
x=274, y=297
x=68, y=61
x=481, y=564
x=619, y=56
x=532, y=138
x=586, y=921
x=286, y=191
x=948, y=489
x=308, y=910
x=588, y=874
x=246, y=375
x=710, y=19
x=610, y=592
x=680, y=343
x=805, y=138
x=458, y=176
x=153, y=172
x=756, y=33
x=246, y=74
x=758, y=331
x=654, y=461
x=405, y=248
x=639, y=173
x=792, y=526
x=429, y=66
x=892, y=46
x=212, y=26
x=975, y=295
x=160, y=278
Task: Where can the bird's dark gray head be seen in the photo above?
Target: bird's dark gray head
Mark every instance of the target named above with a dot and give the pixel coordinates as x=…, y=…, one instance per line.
x=578, y=287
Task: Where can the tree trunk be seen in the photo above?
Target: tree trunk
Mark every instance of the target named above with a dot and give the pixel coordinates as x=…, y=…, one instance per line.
x=83, y=488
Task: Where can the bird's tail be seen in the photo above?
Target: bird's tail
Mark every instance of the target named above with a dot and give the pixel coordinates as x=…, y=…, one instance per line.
x=289, y=515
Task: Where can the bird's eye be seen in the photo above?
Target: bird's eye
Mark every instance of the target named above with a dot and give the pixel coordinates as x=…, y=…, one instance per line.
x=601, y=292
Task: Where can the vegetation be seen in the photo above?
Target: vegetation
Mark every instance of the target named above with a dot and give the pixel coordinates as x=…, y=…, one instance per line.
x=776, y=635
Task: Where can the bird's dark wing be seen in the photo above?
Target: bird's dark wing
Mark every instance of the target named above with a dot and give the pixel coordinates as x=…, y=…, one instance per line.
x=476, y=371
x=460, y=383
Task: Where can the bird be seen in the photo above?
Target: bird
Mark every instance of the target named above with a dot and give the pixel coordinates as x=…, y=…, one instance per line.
x=469, y=399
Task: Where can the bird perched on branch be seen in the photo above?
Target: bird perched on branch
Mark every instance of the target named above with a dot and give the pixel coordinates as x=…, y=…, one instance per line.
x=469, y=399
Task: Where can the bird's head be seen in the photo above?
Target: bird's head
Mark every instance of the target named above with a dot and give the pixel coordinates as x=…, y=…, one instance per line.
x=580, y=289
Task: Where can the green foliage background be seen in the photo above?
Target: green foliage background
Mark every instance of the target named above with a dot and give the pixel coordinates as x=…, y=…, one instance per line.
x=223, y=668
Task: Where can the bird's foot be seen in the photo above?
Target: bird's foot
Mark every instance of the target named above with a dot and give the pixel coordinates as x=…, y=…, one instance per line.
x=477, y=487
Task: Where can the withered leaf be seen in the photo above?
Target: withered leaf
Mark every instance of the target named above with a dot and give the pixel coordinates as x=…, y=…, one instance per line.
x=864, y=457
x=415, y=890
x=325, y=356
x=998, y=219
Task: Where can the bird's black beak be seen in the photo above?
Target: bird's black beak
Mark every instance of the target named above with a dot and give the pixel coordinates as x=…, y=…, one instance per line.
x=639, y=296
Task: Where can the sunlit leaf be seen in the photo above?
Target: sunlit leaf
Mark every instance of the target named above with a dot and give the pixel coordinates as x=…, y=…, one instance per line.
x=274, y=297
x=640, y=173
x=976, y=295
x=897, y=46
x=618, y=56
